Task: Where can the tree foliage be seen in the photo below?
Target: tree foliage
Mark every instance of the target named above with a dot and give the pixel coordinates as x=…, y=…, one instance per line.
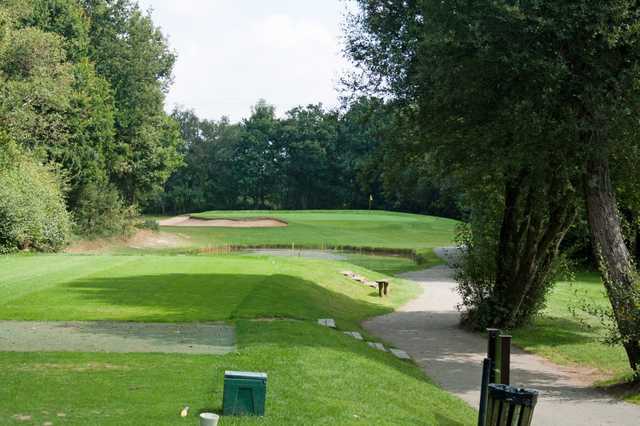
x=32, y=209
x=478, y=120
x=132, y=54
x=83, y=83
x=310, y=158
x=527, y=102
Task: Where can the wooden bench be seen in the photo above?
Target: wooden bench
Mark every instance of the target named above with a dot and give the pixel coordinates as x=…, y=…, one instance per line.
x=383, y=287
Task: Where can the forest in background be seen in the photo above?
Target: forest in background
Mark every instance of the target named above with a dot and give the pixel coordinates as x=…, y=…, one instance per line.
x=82, y=93
x=312, y=158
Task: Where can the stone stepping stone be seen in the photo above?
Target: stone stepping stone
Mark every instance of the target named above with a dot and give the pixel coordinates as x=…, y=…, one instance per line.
x=400, y=354
x=354, y=334
x=327, y=322
x=378, y=346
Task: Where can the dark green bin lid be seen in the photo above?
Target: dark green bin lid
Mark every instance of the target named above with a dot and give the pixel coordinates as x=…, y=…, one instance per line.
x=245, y=375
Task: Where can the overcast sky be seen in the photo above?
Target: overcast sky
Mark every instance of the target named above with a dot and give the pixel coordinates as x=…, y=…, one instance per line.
x=233, y=52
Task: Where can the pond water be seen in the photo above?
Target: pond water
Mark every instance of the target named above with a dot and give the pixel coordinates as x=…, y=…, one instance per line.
x=308, y=254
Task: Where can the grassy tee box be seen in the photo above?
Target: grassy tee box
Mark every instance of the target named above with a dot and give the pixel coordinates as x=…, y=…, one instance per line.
x=317, y=376
x=187, y=288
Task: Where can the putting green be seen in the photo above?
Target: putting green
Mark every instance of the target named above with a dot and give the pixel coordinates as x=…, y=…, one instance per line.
x=327, y=229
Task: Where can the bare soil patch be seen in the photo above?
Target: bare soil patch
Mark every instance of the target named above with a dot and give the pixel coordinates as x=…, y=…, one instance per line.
x=115, y=336
x=143, y=239
x=188, y=221
x=78, y=368
x=157, y=240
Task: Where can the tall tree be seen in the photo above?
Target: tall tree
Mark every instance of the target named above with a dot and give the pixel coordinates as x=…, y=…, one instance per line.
x=83, y=83
x=550, y=87
x=602, y=56
x=262, y=157
x=307, y=139
x=133, y=55
x=479, y=120
x=206, y=181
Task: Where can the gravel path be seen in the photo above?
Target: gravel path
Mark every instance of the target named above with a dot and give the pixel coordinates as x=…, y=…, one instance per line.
x=113, y=336
x=427, y=328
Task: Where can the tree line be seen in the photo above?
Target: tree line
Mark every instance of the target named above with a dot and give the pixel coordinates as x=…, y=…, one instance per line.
x=312, y=158
x=82, y=89
x=532, y=107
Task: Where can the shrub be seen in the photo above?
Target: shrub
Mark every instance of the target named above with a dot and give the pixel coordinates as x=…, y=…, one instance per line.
x=475, y=274
x=32, y=209
x=511, y=253
x=150, y=224
x=100, y=212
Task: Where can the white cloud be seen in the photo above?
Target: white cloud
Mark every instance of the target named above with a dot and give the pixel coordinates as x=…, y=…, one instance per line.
x=284, y=32
x=233, y=52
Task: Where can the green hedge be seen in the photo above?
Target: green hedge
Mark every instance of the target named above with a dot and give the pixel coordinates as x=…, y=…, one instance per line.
x=32, y=208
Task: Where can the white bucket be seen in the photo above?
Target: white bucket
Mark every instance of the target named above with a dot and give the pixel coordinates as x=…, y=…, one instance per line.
x=209, y=419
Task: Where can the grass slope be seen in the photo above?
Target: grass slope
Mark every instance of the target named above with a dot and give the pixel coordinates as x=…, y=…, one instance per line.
x=330, y=228
x=393, y=265
x=316, y=375
x=187, y=288
x=567, y=335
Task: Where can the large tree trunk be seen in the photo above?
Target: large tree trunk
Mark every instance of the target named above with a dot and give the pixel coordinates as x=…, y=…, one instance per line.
x=618, y=273
x=537, y=214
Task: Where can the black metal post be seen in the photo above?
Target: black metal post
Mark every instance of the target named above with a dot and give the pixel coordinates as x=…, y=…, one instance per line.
x=491, y=351
x=505, y=359
x=484, y=392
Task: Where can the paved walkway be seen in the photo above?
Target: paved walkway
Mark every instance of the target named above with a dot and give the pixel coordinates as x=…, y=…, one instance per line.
x=427, y=328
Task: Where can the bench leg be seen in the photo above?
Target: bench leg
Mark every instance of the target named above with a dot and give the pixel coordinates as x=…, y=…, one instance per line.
x=380, y=289
x=386, y=287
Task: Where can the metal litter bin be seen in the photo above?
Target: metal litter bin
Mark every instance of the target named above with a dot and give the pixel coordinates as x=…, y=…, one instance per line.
x=244, y=393
x=510, y=406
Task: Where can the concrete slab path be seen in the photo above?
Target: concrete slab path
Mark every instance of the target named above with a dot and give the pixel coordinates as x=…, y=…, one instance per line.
x=427, y=328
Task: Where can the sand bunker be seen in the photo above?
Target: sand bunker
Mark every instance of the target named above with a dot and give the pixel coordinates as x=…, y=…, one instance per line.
x=189, y=221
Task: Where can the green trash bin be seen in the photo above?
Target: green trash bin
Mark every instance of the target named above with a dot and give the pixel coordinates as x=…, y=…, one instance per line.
x=244, y=393
x=510, y=406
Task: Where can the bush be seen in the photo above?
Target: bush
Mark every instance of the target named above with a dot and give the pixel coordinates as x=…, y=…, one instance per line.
x=475, y=275
x=150, y=224
x=100, y=212
x=511, y=257
x=32, y=209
